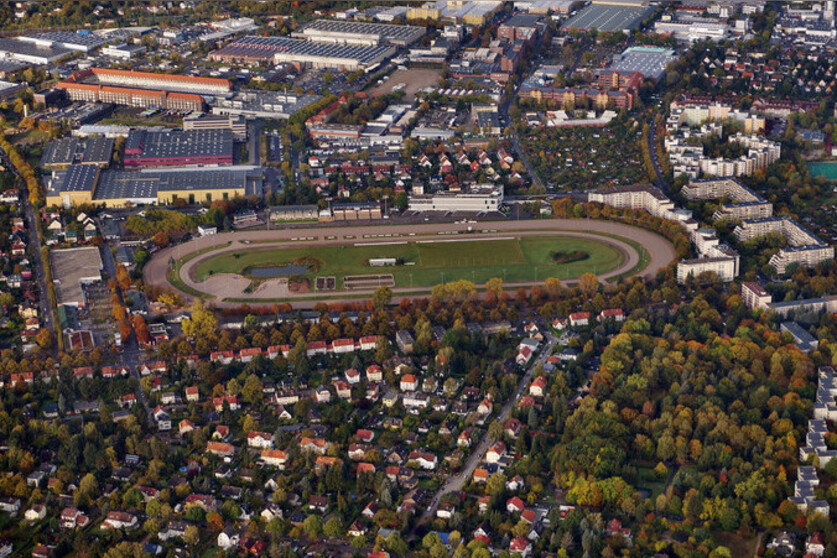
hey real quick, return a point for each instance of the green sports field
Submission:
(429, 263)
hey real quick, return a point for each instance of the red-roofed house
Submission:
(364, 435)
(342, 346)
(274, 457)
(409, 383)
(365, 468)
(520, 546)
(515, 505)
(495, 452)
(374, 373)
(615, 314)
(524, 354)
(579, 319)
(537, 387)
(352, 376)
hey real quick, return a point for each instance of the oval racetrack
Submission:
(658, 251)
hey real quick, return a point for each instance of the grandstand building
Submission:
(479, 199)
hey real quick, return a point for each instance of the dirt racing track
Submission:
(231, 289)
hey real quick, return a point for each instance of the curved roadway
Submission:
(659, 250)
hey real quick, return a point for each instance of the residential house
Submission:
(496, 452)
(120, 520)
(425, 460)
(578, 319)
(262, 440)
(274, 457)
(228, 538)
(538, 387)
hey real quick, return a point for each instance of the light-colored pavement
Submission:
(659, 251)
(456, 482)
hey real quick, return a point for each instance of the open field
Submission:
(413, 80)
(430, 262)
(526, 256)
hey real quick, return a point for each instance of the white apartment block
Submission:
(793, 231)
(690, 159)
(808, 256)
(754, 296)
(825, 409)
(693, 114)
(726, 267)
(804, 247)
(746, 204)
(648, 198)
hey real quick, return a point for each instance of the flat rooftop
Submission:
(60, 152)
(97, 150)
(31, 49)
(265, 48)
(608, 18)
(71, 268)
(146, 184)
(648, 61)
(80, 178)
(87, 41)
(143, 144)
(395, 34)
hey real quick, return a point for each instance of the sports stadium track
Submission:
(659, 250)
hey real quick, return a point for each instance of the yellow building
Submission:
(120, 188)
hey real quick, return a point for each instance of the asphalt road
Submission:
(48, 319)
(659, 250)
(456, 482)
(655, 161)
(130, 356)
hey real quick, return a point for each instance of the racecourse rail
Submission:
(658, 251)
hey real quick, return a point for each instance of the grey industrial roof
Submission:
(216, 179)
(65, 151)
(69, 37)
(11, 65)
(60, 152)
(396, 34)
(145, 184)
(79, 178)
(264, 48)
(650, 62)
(176, 143)
(522, 20)
(608, 18)
(31, 49)
(97, 150)
(132, 185)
